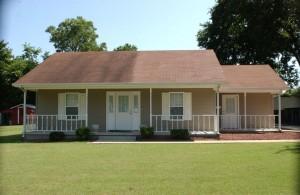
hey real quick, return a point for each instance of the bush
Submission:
(147, 132)
(83, 133)
(56, 136)
(179, 134)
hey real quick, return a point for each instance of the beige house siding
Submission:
(203, 103)
(256, 104)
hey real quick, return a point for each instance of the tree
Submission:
(255, 32)
(12, 68)
(126, 47)
(75, 34)
(6, 58)
(46, 55)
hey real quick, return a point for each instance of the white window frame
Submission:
(78, 100)
(182, 116)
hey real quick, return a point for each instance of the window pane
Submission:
(71, 110)
(176, 110)
(111, 104)
(123, 103)
(135, 103)
(176, 99)
(230, 106)
(72, 100)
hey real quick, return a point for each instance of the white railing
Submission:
(248, 122)
(197, 123)
(54, 122)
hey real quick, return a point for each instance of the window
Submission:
(135, 103)
(123, 103)
(111, 103)
(176, 105)
(72, 106)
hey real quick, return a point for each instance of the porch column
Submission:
(279, 112)
(245, 110)
(24, 112)
(217, 128)
(86, 106)
(150, 103)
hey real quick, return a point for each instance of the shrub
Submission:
(55, 136)
(83, 133)
(147, 132)
(179, 134)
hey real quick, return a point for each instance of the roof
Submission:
(251, 77)
(187, 66)
(17, 106)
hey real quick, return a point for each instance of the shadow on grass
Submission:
(16, 138)
(294, 148)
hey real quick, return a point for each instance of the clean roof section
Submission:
(251, 77)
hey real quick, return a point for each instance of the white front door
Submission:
(230, 118)
(123, 110)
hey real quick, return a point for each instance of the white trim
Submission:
(217, 125)
(253, 90)
(34, 86)
(279, 112)
(86, 107)
(245, 109)
(24, 112)
(150, 105)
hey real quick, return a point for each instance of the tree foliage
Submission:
(75, 34)
(255, 32)
(126, 47)
(11, 69)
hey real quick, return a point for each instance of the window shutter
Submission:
(61, 106)
(165, 102)
(187, 103)
(82, 106)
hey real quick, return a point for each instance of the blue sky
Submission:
(149, 24)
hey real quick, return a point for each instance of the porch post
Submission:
(86, 106)
(24, 112)
(279, 112)
(218, 112)
(150, 103)
(245, 110)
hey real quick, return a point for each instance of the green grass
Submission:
(83, 168)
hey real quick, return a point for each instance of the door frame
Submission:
(224, 96)
(111, 125)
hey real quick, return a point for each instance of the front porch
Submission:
(198, 125)
(203, 111)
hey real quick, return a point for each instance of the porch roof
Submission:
(255, 77)
(128, 67)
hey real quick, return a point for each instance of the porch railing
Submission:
(197, 123)
(54, 122)
(249, 122)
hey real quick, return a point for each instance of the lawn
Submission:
(84, 168)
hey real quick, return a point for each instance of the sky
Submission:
(149, 24)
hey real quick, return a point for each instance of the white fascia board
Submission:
(114, 85)
(252, 90)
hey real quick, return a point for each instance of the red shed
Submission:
(14, 115)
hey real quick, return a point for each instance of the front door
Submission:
(123, 110)
(230, 111)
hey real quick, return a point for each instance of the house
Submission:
(124, 90)
(14, 115)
